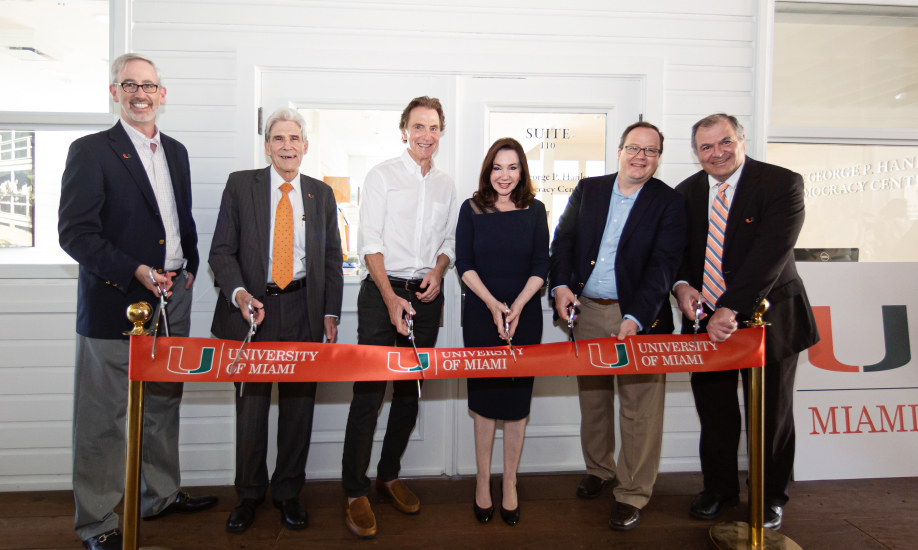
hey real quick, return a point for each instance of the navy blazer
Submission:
(109, 222)
(766, 216)
(649, 251)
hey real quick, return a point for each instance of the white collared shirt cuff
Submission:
(373, 249)
(557, 287)
(335, 316)
(233, 297)
(638, 323)
(679, 283)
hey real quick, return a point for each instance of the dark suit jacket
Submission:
(240, 249)
(110, 223)
(649, 250)
(765, 218)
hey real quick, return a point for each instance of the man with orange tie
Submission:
(277, 247)
(744, 218)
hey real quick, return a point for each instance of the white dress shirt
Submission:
(154, 163)
(407, 217)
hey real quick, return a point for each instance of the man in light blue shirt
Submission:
(615, 255)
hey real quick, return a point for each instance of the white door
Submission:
(443, 441)
(553, 433)
(346, 138)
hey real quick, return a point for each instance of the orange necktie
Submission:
(282, 254)
(713, 284)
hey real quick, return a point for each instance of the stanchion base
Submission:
(734, 535)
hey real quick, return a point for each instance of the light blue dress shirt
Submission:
(601, 283)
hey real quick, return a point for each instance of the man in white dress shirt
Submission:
(406, 242)
(276, 246)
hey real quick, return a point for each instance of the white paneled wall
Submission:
(707, 51)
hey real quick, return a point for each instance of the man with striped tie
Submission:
(744, 218)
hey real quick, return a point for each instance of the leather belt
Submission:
(274, 290)
(601, 301)
(411, 285)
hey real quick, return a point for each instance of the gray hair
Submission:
(123, 60)
(714, 120)
(285, 114)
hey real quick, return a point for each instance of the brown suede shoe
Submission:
(402, 498)
(359, 518)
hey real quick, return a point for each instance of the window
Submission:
(343, 146)
(845, 116)
(54, 58)
(561, 149)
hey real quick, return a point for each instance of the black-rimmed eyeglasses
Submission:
(634, 150)
(131, 87)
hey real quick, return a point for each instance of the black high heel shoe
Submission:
(511, 517)
(484, 515)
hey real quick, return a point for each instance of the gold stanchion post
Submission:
(132, 467)
(138, 314)
(739, 535)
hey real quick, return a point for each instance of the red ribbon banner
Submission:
(211, 360)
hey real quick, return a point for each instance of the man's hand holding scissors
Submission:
(242, 301)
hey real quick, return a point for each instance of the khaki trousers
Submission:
(641, 398)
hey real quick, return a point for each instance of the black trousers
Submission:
(375, 329)
(286, 320)
(718, 408)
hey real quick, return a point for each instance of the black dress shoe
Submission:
(512, 517)
(624, 517)
(185, 504)
(110, 540)
(483, 515)
(774, 516)
(710, 505)
(243, 515)
(293, 513)
(592, 486)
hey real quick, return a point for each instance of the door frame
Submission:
(253, 63)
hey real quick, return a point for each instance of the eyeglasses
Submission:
(131, 87)
(634, 150)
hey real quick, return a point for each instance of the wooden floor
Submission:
(837, 515)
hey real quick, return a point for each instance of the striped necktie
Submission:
(282, 254)
(713, 285)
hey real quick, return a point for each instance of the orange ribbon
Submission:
(207, 359)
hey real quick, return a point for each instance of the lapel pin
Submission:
(126, 155)
(309, 195)
(750, 220)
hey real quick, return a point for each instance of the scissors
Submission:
(248, 338)
(410, 322)
(699, 311)
(571, 315)
(160, 310)
(509, 338)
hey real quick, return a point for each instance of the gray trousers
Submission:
(641, 398)
(100, 394)
(286, 320)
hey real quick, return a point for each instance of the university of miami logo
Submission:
(204, 365)
(621, 357)
(895, 336)
(395, 364)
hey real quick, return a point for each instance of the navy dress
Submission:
(505, 249)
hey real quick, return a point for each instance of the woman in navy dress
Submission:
(502, 257)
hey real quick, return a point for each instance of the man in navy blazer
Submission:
(125, 216)
(615, 255)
